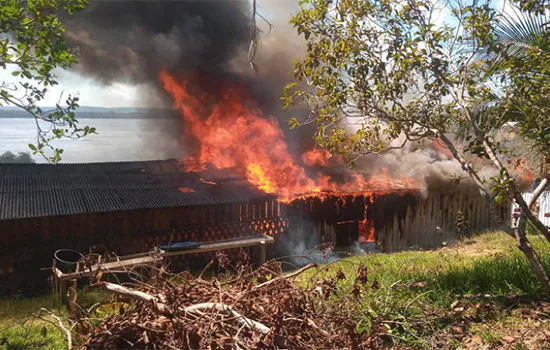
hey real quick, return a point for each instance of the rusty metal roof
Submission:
(36, 190)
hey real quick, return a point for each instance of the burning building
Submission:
(127, 207)
(389, 221)
(326, 202)
(188, 51)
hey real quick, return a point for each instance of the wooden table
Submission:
(229, 244)
(122, 264)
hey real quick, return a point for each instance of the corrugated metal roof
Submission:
(35, 190)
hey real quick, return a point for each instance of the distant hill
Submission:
(86, 112)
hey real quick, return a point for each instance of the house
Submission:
(127, 207)
(394, 220)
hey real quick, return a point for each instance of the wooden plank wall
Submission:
(427, 223)
(314, 216)
(26, 245)
(402, 220)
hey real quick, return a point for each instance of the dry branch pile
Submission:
(256, 309)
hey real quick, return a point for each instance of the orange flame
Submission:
(316, 156)
(256, 176)
(233, 135)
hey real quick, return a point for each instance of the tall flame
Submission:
(232, 134)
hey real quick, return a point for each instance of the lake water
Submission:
(117, 140)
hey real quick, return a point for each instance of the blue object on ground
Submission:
(176, 246)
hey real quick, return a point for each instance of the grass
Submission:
(20, 328)
(488, 264)
(471, 290)
(470, 296)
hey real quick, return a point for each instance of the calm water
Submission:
(117, 140)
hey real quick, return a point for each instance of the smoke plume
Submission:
(132, 41)
(208, 40)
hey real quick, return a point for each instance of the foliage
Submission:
(376, 72)
(533, 6)
(22, 157)
(32, 46)
(391, 68)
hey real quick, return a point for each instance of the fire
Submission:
(256, 175)
(232, 134)
(316, 157)
(524, 172)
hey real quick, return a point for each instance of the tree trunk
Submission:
(536, 265)
(519, 233)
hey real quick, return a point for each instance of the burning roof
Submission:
(232, 133)
(37, 190)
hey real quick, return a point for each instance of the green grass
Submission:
(20, 328)
(488, 264)
(417, 291)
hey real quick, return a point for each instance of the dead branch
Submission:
(187, 313)
(199, 308)
(136, 295)
(204, 307)
(290, 275)
(61, 327)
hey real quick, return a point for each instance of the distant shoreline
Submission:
(100, 113)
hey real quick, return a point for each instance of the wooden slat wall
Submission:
(430, 222)
(26, 245)
(401, 220)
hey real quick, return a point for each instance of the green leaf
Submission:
(499, 199)
(35, 49)
(293, 123)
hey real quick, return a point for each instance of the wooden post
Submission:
(57, 284)
(63, 289)
(263, 252)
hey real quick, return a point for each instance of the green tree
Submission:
(426, 70)
(21, 158)
(32, 46)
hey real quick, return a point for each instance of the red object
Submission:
(440, 147)
(186, 190)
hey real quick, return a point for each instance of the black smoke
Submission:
(131, 41)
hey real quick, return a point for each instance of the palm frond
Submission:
(520, 31)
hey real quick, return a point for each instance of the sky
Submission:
(94, 93)
(91, 92)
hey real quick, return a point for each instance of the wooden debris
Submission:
(183, 312)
